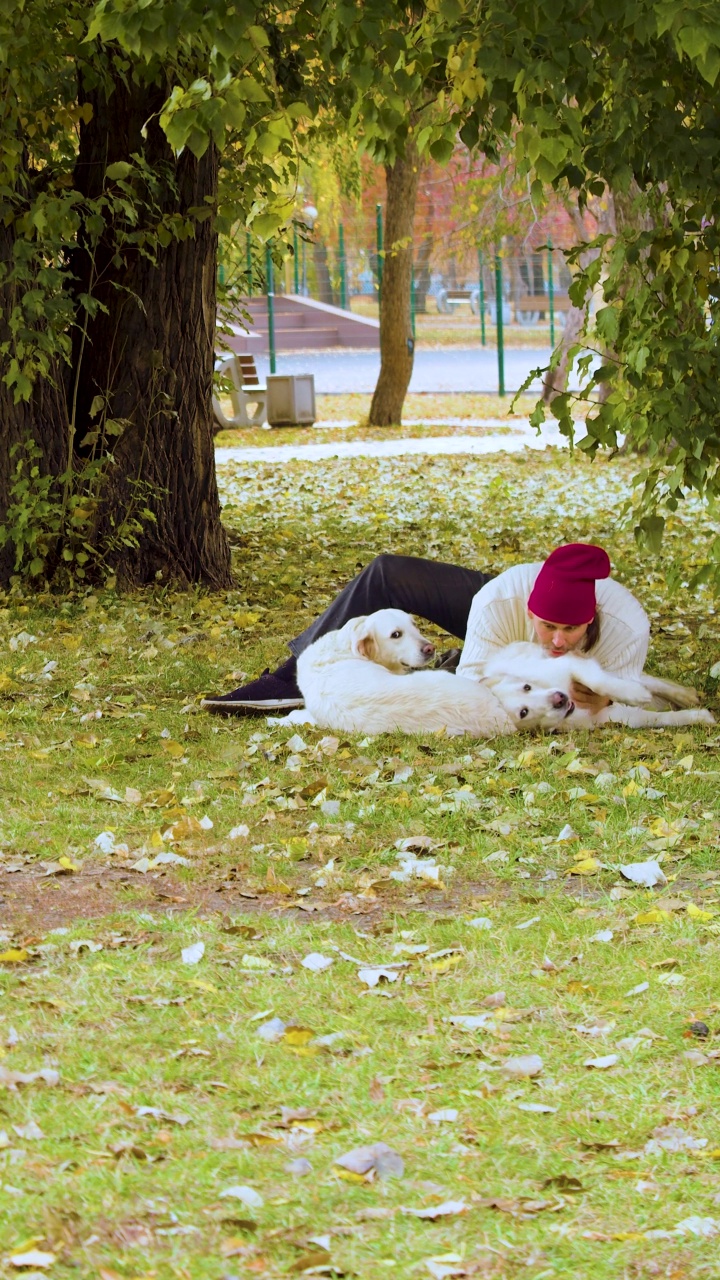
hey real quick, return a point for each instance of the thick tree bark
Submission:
(396, 341)
(149, 351)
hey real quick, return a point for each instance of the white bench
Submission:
(446, 299)
(248, 397)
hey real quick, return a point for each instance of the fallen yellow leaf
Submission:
(585, 867)
(444, 965)
(298, 1036)
(653, 916)
(697, 913)
(347, 1175)
(16, 955)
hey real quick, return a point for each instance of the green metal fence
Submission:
(459, 294)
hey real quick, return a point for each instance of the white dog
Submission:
(522, 672)
(368, 677)
(352, 680)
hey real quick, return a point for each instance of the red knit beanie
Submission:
(564, 589)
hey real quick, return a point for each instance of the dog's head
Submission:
(535, 693)
(390, 638)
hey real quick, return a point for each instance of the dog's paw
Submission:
(292, 717)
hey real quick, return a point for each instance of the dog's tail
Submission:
(669, 696)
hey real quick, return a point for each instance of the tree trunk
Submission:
(396, 340)
(556, 380)
(148, 351)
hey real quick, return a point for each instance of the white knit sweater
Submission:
(498, 617)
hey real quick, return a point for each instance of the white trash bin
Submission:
(290, 399)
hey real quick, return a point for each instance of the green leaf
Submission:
(442, 149)
(120, 169)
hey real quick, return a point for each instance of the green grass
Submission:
(449, 414)
(130, 1025)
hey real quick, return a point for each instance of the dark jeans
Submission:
(442, 593)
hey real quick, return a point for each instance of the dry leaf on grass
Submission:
(246, 1195)
(156, 1113)
(525, 1065)
(32, 1258)
(522, 1206)
(638, 990)
(194, 953)
(646, 874)
(316, 962)
(450, 1208)
(11, 1079)
(446, 1115)
(364, 1164)
(29, 1132)
(376, 974)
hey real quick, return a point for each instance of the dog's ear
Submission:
(363, 641)
(366, 646)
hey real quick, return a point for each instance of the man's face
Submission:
(556, 638)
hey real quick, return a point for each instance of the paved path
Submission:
(444, 369)
(521, 436)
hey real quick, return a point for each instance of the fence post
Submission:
(379, 248)
(341, 263)
(249, 263)
(270, 290)
(296, 262)
(551, 294)
(499, 324)
(481, 294)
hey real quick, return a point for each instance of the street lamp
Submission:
(310, 214)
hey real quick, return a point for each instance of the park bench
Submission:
(530, 306)
(247, 396)
(446, 299)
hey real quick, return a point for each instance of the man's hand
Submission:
(586, 700)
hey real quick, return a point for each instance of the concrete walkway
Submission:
(520, 435)
(435, 370)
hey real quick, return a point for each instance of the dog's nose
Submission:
(559, 699)
(428, 650)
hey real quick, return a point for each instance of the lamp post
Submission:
(499, 324)
(342, 267)
(270, 291)
(310, 214)
(551, 292)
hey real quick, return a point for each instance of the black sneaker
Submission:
(270, 692)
